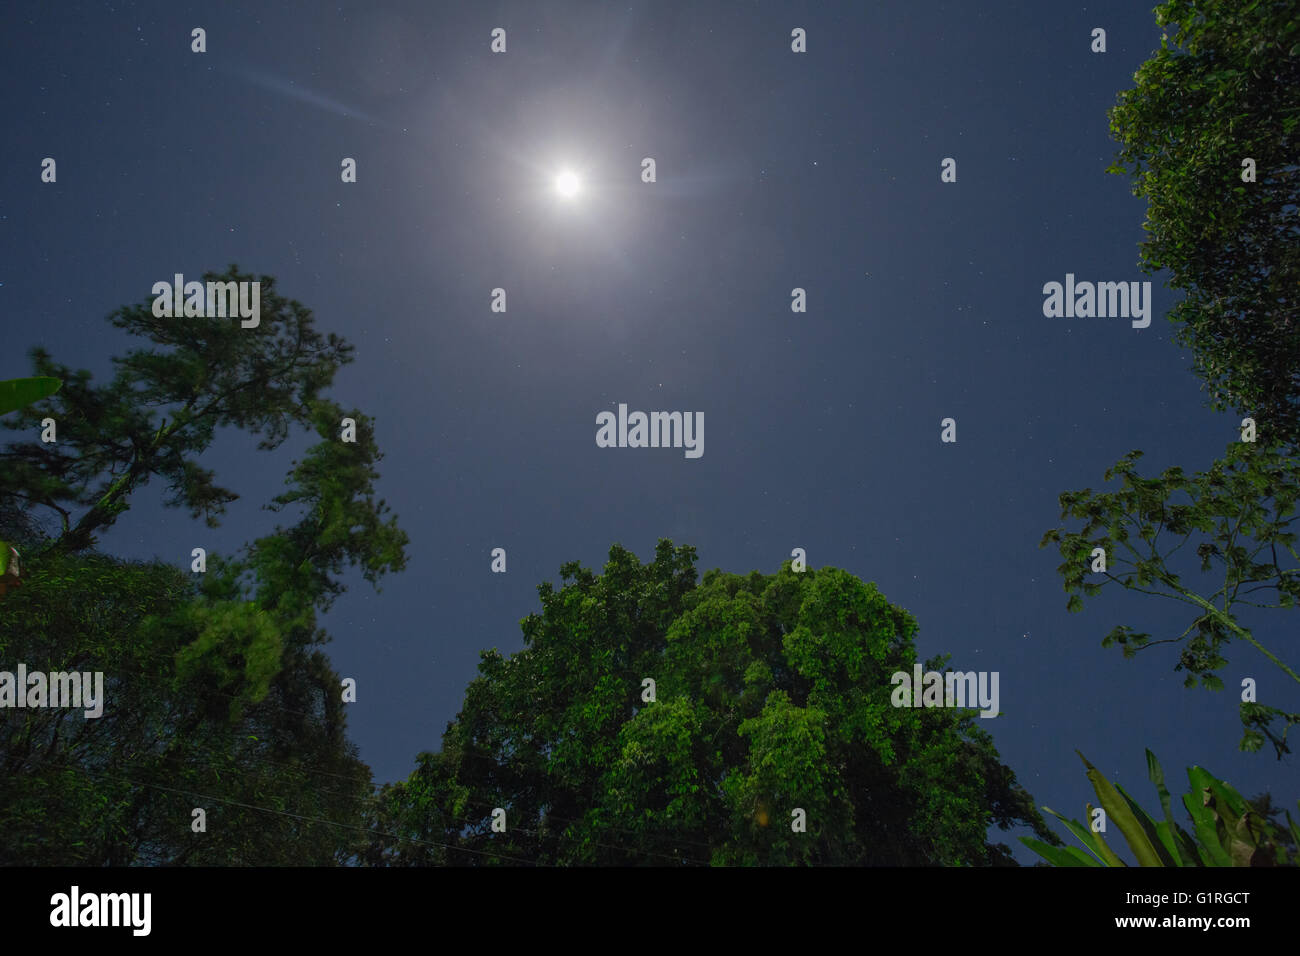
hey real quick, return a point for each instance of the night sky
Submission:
(775, 170)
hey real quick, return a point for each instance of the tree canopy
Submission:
(1222, 89)
(218, 695)
(772, 694)
(1208, 135)
(1235, 523)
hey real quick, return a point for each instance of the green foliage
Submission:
(19, 392)
(1228, 830)
(1221, 89)
(10, 567)
(1238, 518)
(1218, 91)
(162, 409)
(212, 731)
(15, 394)
(218, 695)
(237, 650)
(772, 693)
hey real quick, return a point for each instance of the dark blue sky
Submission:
(775, 170)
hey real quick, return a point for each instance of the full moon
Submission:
(567, 185)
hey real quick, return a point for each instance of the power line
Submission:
(373, 831)
(484, 807)
(298, 816)
(308, 770)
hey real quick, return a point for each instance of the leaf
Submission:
(1170, 830)
(1093, 841)
(19, 392)
(1059, 856)
(1159, 834)
(1207, 833)
(1118, 810)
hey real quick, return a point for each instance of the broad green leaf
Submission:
(1117, 810)
(1092, 841)
(1156, 774)
(1059, 856)
(1167, 851)
(1207, 833)
(17, 393)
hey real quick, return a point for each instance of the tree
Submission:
(219, 697)
(771, 694)
(14, 394)
(1220, 90)
(1241, 516)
